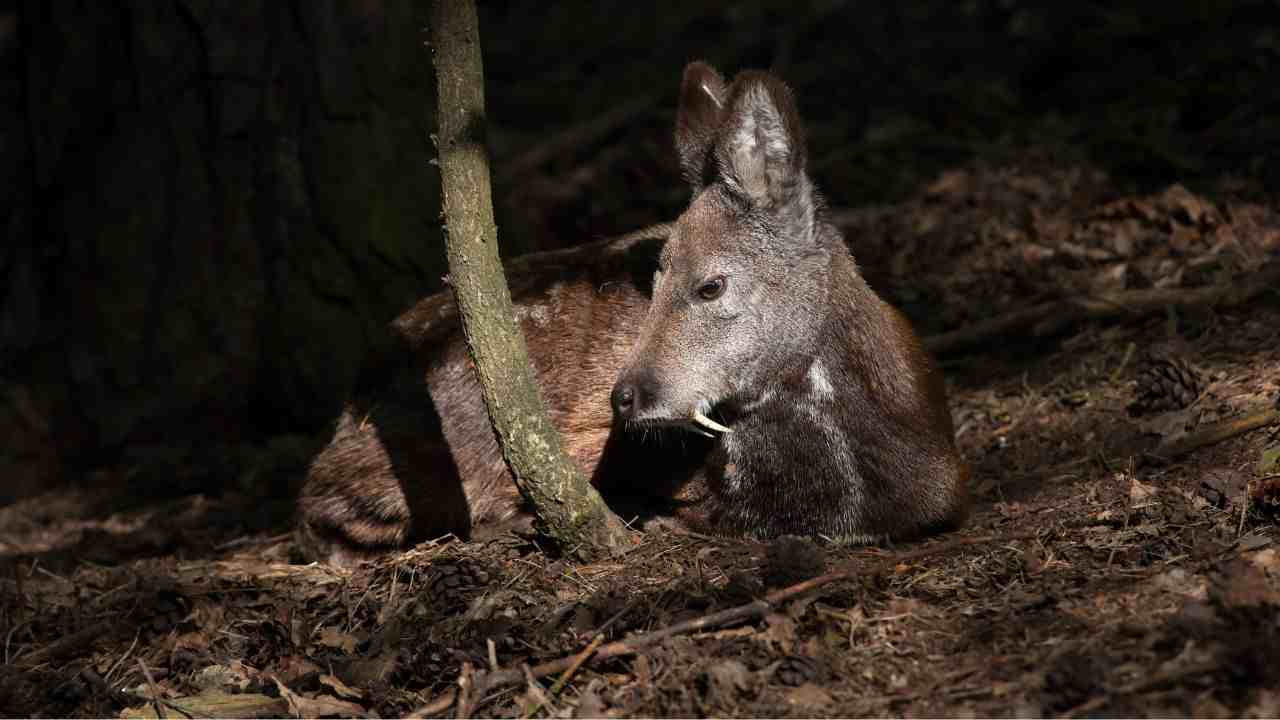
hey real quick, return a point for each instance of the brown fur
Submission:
(413, 455)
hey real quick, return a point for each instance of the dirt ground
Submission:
(1094, 576)
(1122, 557)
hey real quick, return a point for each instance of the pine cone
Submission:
(453, 581)
(1166, 382)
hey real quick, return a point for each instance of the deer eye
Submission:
(713, 288)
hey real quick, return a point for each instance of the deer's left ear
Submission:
(702, 98)
(762, 149)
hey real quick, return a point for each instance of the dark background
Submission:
(212, 208)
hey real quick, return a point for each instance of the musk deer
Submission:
(736, 377)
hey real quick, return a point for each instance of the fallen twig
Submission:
(577, 136)
(536, 694)
(79, 641)
(468, 691)
(578, 661)
(119, 661)
(120, 697)
(897, 558)
(1049, 317)
(438, 704)
(1179, 445)
(157, 699)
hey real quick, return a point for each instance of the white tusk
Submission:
(699, 431)
(708, 423)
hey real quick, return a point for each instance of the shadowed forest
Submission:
(215, 209)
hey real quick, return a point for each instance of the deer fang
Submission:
(708, 423)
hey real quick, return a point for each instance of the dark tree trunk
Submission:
(210, 211)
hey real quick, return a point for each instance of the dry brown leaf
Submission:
(1179, 201)
(335, 638)
(292, 667)
(366, 670)
(319, 706)
(1115, 277)
(1140, 493)
(340, 688)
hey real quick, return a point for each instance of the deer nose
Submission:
(633, 391)
(624, 397)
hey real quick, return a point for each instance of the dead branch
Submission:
(572, 138)
(578, 662)
(985, 330)
(439, 704)
(119, 697)
(157, 696)
(1179, 445)
(77, 642)
(1046, 318)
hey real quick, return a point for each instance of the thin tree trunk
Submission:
(569, 509)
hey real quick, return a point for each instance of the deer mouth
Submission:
(707, 424)
(697, 422)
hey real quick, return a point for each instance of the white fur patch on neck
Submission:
(821, 381)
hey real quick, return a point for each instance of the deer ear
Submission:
(702, 101)
(761, 150)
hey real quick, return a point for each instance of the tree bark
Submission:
(568, 508)
(211, 211)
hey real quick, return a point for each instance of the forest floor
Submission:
(1095, 576)
(1114, 372)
